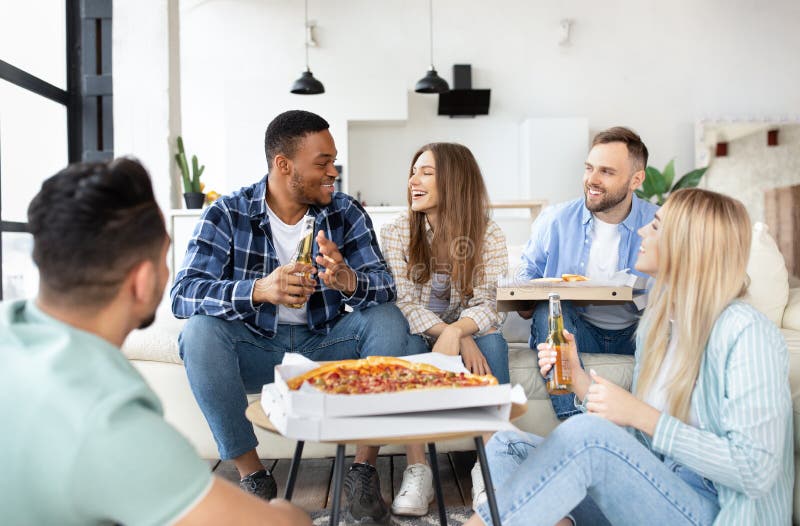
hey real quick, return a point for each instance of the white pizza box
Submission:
(310, 402)
(474, 419)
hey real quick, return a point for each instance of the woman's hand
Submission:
(449, 341)
(612, 402)
(547, 356)
(473, 358)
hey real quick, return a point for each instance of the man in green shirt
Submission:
(83, 436)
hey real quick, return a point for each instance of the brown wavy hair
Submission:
(463, 213)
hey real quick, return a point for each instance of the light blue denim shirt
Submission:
(562, 238)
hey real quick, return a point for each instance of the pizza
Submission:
(562, 279)
(383, 374)
(574, 277)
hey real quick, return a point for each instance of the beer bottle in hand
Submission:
(558, 378)
(303, 252)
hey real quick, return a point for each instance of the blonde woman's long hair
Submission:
(703, 253)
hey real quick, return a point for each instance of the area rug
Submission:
(456, 516)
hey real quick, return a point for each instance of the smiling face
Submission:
(422, 184)
(312, 172)
(609, 181)
(647, 261)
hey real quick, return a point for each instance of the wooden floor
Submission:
(313, 489)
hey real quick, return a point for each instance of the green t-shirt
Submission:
(82, 435)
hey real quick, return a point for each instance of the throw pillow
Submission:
(769, 279)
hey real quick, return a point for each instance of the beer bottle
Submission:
(303, 252)
(558, 378)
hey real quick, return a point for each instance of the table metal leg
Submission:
(487, 481)
(437, 484)
(338, 479)
(298, 452)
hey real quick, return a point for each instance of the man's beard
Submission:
(298, 186)
(148, 321)
(607, 202)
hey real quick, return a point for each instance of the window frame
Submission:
(88, 97)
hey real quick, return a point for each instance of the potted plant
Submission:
(193, 194)
(659, 184)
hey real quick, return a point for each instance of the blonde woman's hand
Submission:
(473, 358)
(612, 402)
(547, 356)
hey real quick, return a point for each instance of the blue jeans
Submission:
(596, 471)
(493, 347)
(224, 360)
(588, 338)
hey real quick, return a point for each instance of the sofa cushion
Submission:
(793, 345)
(515, 329)
(769, 279)
(157, 343)
(791, 316)
(524, 370)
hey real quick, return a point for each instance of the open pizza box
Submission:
(310, 402)
(473, 419)
(518, 294)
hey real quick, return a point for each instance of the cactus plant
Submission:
(191, 181)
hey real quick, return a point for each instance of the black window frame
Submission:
(88, 97)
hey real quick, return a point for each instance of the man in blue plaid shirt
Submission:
(238, 280)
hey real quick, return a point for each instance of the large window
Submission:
(55, 108)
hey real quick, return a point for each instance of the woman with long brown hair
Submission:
(446, 256)
(710, 414)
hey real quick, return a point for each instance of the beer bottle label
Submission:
(303, 252)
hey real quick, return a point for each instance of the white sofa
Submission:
(154, 352)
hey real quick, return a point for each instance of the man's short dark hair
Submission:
(637, 151)
(286, 131)
(91, 224)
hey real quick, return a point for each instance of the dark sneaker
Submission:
(362, 493)
(261, 484)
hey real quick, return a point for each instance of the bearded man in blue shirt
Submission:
(594, 236)
(240, 289)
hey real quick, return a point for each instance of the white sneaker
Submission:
(478, 488)
(416, 491)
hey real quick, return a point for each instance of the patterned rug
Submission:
(456, 516)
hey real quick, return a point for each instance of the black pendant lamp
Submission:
(431, 82)
(307, 84)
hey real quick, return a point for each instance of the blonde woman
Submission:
(711, 407)
(446, 256)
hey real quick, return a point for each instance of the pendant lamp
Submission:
(307, 84)
(431, 82)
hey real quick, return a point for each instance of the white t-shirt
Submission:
(602, 265)
(285, 238)
(658, 396)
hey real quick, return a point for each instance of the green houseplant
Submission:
(659, 184)
(193, 194)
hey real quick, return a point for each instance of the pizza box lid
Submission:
(362, 428)
(310, 402)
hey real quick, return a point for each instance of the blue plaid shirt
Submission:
(232, 247)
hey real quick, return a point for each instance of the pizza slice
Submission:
(574, 277)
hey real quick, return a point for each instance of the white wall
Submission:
(147, 88)
(657, 67)
(751, 167)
